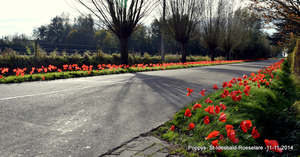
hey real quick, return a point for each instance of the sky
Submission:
(22, 16)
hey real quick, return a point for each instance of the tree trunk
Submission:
(124, 50)
(162, 33)
(162, 48)
(227, 55)
(183, 58)
(212, 54)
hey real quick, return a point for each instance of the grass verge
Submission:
(112, 69)
(274, 110)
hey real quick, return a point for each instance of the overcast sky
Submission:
(22, 16)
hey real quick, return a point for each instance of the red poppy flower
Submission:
(216, 145)
(221, 137)
(255, 133)
(222, 118)
(39, 70)
(223, 95)
(233, 81)
(43, 77)
(206, 120)
(277, 77)
(267, 83)
(196, 106)
(172, 128)
(245, 76)
(252, 74)
(245, 82)
(231, 136)
(222, 106)
(273, 145)
(228, 127)
(202, 92)
(210, 109)
(208, 100)
(224, 84)
(248, 124)
(1, 76)
(212, 134)
(247, 90)
(233, 93)
(240, 83)
(217, 109)
(245, 125)
(239, 79)
(229, 85)
(189, 91)
(239, 97)
(236, 98)
(258, 85)
(187, 113)
(215, 87)
(191, 126)
(226, 93)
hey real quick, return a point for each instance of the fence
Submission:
(32, 46)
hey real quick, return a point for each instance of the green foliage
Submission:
(294, 59)
(290, 57)
(28, 50)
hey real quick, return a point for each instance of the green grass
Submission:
(273, 110)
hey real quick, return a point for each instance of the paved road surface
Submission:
(88, 116)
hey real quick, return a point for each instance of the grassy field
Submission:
(273, 109)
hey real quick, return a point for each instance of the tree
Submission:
(284, 14)
(230, 28)
(162, 49)
(212, 24)
(182, 19)
(119, 16)
(243, 25)
(40, 33)
(55, 29)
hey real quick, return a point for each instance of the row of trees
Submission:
(182, 20)
(283, 15)
(192, 26)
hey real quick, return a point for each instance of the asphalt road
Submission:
(87, 116)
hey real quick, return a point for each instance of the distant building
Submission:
(283, 54)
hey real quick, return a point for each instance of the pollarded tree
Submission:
(119, 16)
(211, 26)
(182, 19)
(230, 28)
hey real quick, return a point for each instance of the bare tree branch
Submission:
(182, 18)
(118, 16)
